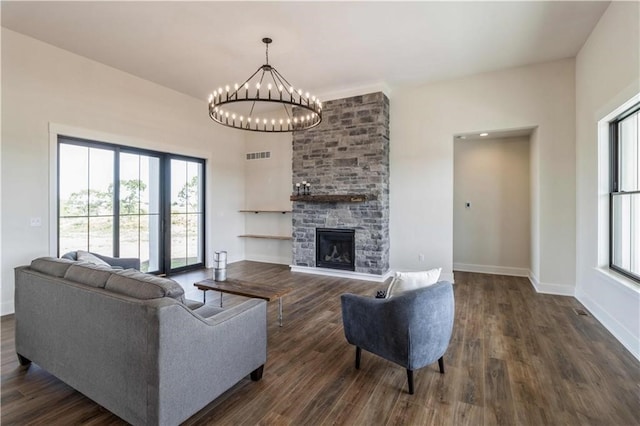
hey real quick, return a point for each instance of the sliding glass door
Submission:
(139, 218)
(86, 194)
(187, 213)
(126, 202)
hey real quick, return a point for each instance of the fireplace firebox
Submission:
(335, 248)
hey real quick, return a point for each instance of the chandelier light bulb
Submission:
(273, 121)
(264, 121)
(290, 89)
(249, 119)
(246, 86)
(226, 88)
(235, 86)
(233, 116)
(258, 85)
(288, 121)
(306, 95)
(220, 90)
(281, 121)
(241, 118)
(280, 88)
(300, 92)
(226, 114)
(269, 86)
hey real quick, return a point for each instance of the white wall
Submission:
(268, 187)
(42, 84)
(493, 234)
(423, 122)
(607, 75)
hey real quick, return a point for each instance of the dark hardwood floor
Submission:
(516, 357)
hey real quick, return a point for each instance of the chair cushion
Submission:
(85, 256)
(405, 281)
(51, 266)
(89, 274)
(143, 286)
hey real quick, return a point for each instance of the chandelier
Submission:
(265, 102)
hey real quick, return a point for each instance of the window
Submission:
(127, 202)
(624, 232)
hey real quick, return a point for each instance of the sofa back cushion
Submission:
(51, 266)
(136, 284)
(89, 274)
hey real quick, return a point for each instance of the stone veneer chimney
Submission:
(348, 153)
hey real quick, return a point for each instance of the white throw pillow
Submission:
(85, 256)
(405, 281)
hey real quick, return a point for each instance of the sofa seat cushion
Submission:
(51, 266)
(192, 304)
(207, 311)
(89, 274)
(136, 284)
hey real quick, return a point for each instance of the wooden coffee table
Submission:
(246, 289)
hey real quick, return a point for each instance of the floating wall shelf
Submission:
(265, 211)
(268, 237)
(327, 198)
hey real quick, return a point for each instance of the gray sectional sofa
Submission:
(131, 341)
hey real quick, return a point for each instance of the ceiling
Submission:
(322, 47)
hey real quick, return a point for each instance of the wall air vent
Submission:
(259, 155)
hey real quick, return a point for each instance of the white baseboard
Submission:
(491, 269)
(341, 274)
(7, 308)
(546, 288)
(618, 330)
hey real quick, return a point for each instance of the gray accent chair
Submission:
(412, 329)
(121, 262)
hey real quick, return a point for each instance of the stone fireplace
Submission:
(346, 161)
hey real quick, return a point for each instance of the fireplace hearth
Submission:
(335, 248)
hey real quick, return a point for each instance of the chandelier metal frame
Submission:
(275, 89)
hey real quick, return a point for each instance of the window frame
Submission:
(165, 197)
(614, 185)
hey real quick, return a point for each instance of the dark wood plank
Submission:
(516, 357)
(243, 288)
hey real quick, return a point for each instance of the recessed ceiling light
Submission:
(484, 134)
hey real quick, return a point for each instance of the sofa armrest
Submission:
(123, 262)
(200, 358)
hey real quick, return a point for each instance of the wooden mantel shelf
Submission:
(328, 198)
